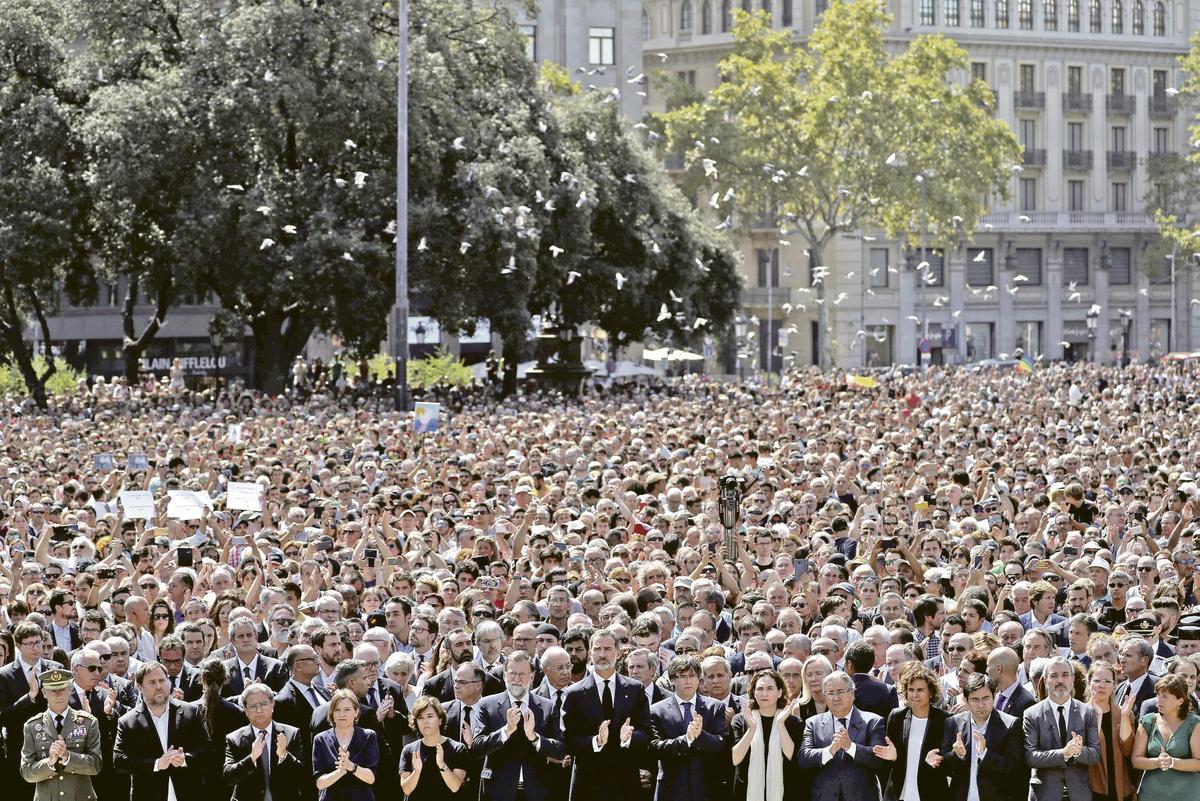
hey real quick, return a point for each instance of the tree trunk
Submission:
(824, 358)
(134, 346)
(278, 339)
(22, 355)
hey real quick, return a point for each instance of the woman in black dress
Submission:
(912, 750)
(765, 738)
(432, 767)
(221, 717)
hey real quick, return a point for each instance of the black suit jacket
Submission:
(293, 708)
(1002, 773)
(1020, 700)
(16, 707)
(248, 778)
(611, 772)
(441, 685)
(686, 771)
(507, 760)
(270, 672)
(1145, 691)
(189, 681)
(138, 748)
(931, 782)
(872, 695)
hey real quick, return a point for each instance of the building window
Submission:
(1075, 81)
(979, 71)
(1029, 337)
(686, 76)
(928, 15)
(1050, 14)
(1025, 14)
(1162, 140)
(645, 26)
(879, 268)
(706, 17)
(1118, 138)
(979, 341)
(1075, 195)
(1075, 136)
(602, 45)
(1001, 13)
(746, 6)
(768, 267)
(766, 6)
(726, 16)
(685, 16)
(530, 34)
(978, 13)
(820, 5)
(1118, 16)
(980, 267)
(1116, 80)
(1118, 196)
(1027, 77)
(951, 11)
(1029, 264)
(1139, 17)
(1159, 84)
(1121, 271)
(937, 267)
(1075, 266)
(878, 344)
(785, 13)
(1095, 16)
(1073, 16)
(1160, 18)
(1028, 194)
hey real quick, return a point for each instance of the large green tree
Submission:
(830, 136)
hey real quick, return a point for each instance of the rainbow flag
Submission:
(1024, 365)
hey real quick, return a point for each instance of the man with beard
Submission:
(517, 733)
(441, 685)
(161, 742)
(1061, 739)
(575, 643)
(607, 722)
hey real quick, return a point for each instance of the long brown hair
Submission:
(212, 676)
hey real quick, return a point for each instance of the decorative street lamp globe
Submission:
(730, 493)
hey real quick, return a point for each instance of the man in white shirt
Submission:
(982, 747)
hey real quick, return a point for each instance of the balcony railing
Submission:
(1077, 102)
(1029, 100)
(1061, 220)
(1078, 159)
(1162, 106)
(1121, 104)
(1122, 160)
(1033, 157)
(758, 295)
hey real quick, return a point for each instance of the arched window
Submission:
(706, 17)
(1118, 17)
(726, 16)
(1095, 16)
(1073, 16)
(685, 16)
(978, 13)
(1050, 14)
(1139, 17)
(1025, 14)
(1160, 18)
(645, 25)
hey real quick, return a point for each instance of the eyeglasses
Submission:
(284, 621)
(839, 693)
(1117, 585)
(160, 616)
(260, 705)
(92, 668)
(105, 657)
(1145, 569)
(148, 586)
(956, 649)
(464, 682)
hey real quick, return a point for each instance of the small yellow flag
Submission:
(861, 381)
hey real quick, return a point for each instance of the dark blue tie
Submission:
(687, 713)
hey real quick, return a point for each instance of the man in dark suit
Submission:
(1135, 655)
(247, 664)
(265, 753)
(838, 743)
(1062, 739)
(516, 733)
(441, 685)
(607, 720)
(556, 668)
(299, 698)
(870, 694)
(20, 699)
(688, 736)
(103, 701)
(982, 748)
(185, 679)
(1011, 697)
(161, 742)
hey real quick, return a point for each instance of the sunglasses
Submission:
(160, 616)
(92, 668)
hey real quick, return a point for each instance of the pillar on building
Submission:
(1053, 335)
(1006, 330)
(906, 329)
(1139, 348)
(1101, 353)
(957, 265)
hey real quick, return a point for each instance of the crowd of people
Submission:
(974, 586)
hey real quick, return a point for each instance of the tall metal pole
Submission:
(770, 320)
(1171, 340)
(400, 308)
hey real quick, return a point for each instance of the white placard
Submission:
(244, 496)
(234, 432)
(137, 505)
(185, 505)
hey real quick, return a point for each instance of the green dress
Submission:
(1169, 785)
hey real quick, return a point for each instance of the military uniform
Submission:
(69, 780)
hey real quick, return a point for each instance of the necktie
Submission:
(312, 697)
(266, 764)
(467, 716)
(58, 723)
(558, 706)
(1000, 699)
(245, 672)
(372, 698)
(1062, 728)
(687, 713)
(845, 724)
(607, 700)
(175, 680)
(519, 704)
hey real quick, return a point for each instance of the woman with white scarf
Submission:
(764, 741)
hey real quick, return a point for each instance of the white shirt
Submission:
(252, 665)
(916, 736)
(160, 726)
(687, 719)
(1066, 715)
(62, 636)
(826, 752)
(145, 647)
(973, 787)
(614, 728)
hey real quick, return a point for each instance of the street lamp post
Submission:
(1093, 319)
(1127, 320)
(730, 491)
(216, 338)
(739, 330)
(400, 307)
